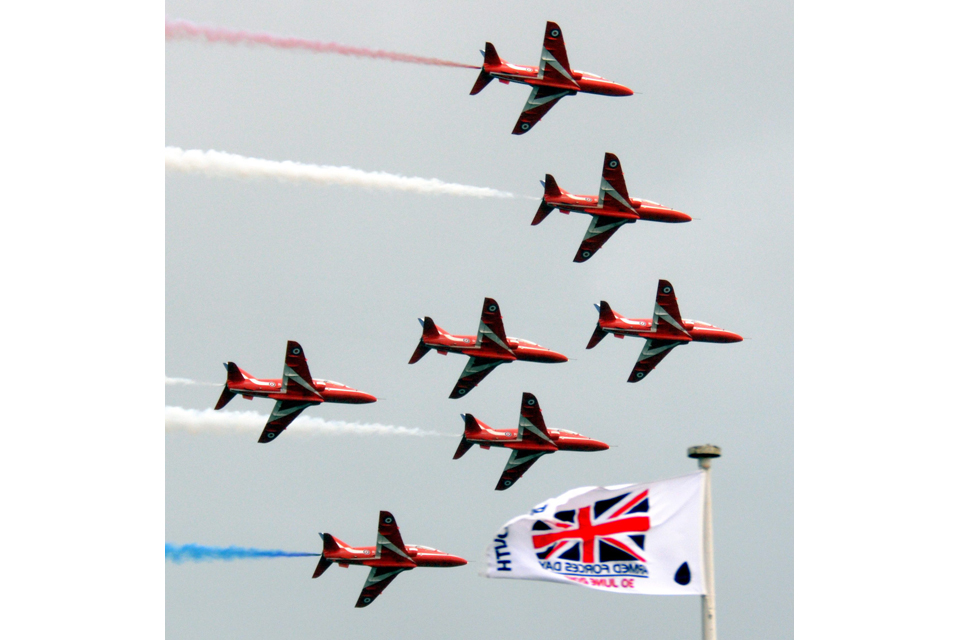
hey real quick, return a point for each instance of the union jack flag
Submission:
(606, 531)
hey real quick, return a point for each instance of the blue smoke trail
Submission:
(200, 553)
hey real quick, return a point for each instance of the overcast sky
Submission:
(346, 272)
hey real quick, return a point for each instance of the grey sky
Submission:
(346, 272)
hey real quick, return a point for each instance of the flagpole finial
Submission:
(703, 454)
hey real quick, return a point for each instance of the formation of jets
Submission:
(612, 208)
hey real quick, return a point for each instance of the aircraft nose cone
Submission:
(556, 356)
(456, 561)
(624, 91)
(600, 446)
(729, 336)
(682, 217)
(363, 398)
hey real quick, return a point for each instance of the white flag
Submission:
(631, 538)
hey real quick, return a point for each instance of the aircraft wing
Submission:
(476, 370)
(540, 101)
(517, 465)
(599, 231)
(377, 581)
(666, 312)
(532, 429)
(653, 352)
(613, 188)
(554, 66)
(491, 335)
(296, 372)
(389, 543)
(284, 412)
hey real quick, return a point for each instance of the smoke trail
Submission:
(219, 163)
(180, 419)
(183, 29)
(200, 553)
(187, 381)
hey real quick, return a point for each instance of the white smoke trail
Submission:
(219, 163)
(195, 420)
(187, 381)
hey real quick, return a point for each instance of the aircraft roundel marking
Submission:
(492, 307)
(270, 435)
(525, 126)
(531, 402)
(639, 374)
(296, 352)
(507, 483)
(388, 520)
(613, 164)
(667, 289)
(461, 391)
(367, 600)
(586, 254)
(555, 33)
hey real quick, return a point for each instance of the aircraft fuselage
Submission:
(329, 391)
(587, 82)
(642, 328)
(523, 350)
(645, 209)
(367, 556)
(563, 440)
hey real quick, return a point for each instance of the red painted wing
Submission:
(490, 334)
(613, 188)
(666, 313)
(554, 66)
(296, 373)
(532, 429)
(389, 543)
(600, 230)
(540, 101)
(284, 412)
(653, 352)
(377, 581)
(476, 370)
(517, 465)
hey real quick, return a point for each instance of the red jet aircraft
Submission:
(489, 349)
(296, 391)
(529, 441)
(612, 209)
(664, 332)
(386, 560)
(552, 80)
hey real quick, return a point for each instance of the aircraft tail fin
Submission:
(430, 330)
(490, 57)
(235, 375)
(330, 545)
(470, 427)
(606, 315)
(551, 188)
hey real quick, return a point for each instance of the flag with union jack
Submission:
(632, 538)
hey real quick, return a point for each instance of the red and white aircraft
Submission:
(294, 392)
(387, 560)
(663, 332)
(529, 441)
(552, 80)
(487, 350)
(609, 211)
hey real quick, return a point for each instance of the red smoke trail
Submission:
(183, 29)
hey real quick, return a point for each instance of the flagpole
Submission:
(704, 454)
